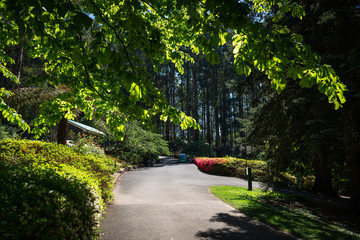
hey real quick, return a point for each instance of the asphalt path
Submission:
(172, 201)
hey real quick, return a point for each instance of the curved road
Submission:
(171, 201)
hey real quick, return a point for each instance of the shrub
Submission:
(140, 145)
(26, 152)
(43, 203)
(176, 145)
(237, 167)
(7, 131)
(50, 191)
(199, 149)
(206, 164)
(87, 145)
(232, 167)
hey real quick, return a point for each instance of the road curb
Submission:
(118, 174)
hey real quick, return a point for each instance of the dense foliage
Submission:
(176, 145)
(51, 191)
(139, 145)
(84, 42)
(198, 149)
(88, 145)
(297, 130)
(7, 131)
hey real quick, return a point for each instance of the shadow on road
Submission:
(241, 227)
(162, 162)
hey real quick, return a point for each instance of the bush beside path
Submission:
(51, 191)
(232, 167)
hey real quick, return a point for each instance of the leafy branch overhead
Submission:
(96, 48)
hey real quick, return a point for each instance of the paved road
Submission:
(172, 201)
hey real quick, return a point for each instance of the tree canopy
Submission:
(99, 49)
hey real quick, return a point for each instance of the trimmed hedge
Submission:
(234, 167)
(206, 164)
(51, 191)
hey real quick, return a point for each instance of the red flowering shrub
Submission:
(206, 163)
(233, 167)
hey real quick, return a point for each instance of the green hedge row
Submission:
(50, 191)
(236, 167)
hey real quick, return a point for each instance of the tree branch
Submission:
(91, 86)
(146, 2)
(116, 34)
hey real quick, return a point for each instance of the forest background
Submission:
(297, 130)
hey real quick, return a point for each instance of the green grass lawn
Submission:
(283, 211)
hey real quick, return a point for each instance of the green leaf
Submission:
(305, 82)
(83, 19)
(273, 84)
(291, 73)
(45, 40)
(210, 4)
(78, 56)
(59, 33)
(247, 70)
(223, 38)
(135, 93)
(213, 57)
(203, 42)
(163, 118)
(7, 74)
(240, 69)
(322, 87)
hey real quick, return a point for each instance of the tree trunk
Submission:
(182, 132)
(241, 115)
(20, 62)
(172, 98)
(159, 124)
(168, 92)
(231, 136)
(195, 102)
(187, 69)
(217, 133)
(224, 130)
(352, 155)
(167, 130)
(323, 177)
(203, 119)
(174, 132)
(216, 106)
(208, 127)
(62, 131)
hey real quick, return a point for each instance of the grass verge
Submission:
(283, 211)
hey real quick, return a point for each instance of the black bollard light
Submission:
(248, 171)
